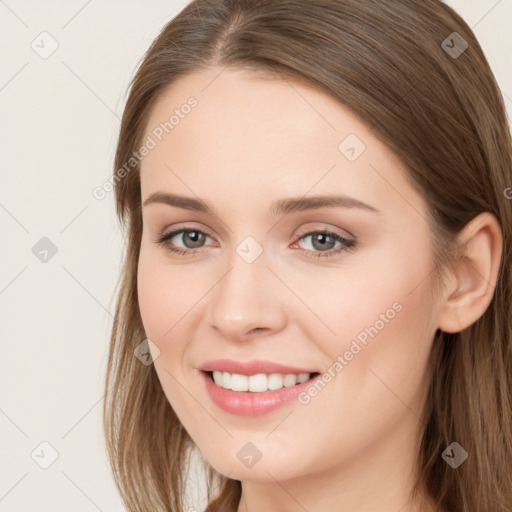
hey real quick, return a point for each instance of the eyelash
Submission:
(346, 245)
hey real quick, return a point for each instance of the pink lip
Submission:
(251, 367)
(248, 403)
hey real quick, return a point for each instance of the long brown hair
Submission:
(443, 114)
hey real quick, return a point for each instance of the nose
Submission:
(248, 300)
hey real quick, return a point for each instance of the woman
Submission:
(317, 286)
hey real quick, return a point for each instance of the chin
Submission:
(261, 471)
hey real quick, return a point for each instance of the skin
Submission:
(248, 142)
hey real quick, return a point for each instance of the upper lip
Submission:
(251, 367)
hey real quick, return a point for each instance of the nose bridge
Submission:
(245, 298)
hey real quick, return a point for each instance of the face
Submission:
(339, 290)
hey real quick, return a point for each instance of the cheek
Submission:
(374, 311)
(153, 298)
(372, 295)
(165, 298)
(164, 293)
(384, 331)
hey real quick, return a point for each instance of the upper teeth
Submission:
(258, 383)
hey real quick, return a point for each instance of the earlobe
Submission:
(473, 280)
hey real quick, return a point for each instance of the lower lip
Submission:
(248, 403)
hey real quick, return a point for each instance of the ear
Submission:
(470, 286)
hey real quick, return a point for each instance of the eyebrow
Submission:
(279, 207)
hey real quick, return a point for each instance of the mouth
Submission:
(256, 394)
(258, 383)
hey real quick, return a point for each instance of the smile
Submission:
(263, 400)
(258, 383)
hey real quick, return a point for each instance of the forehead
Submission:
(249, 134)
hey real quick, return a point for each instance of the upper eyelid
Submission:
(178, 231)
(326, 229)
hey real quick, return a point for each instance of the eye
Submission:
(323, 243)
(192, 239)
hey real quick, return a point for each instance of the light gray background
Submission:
(59, 125)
